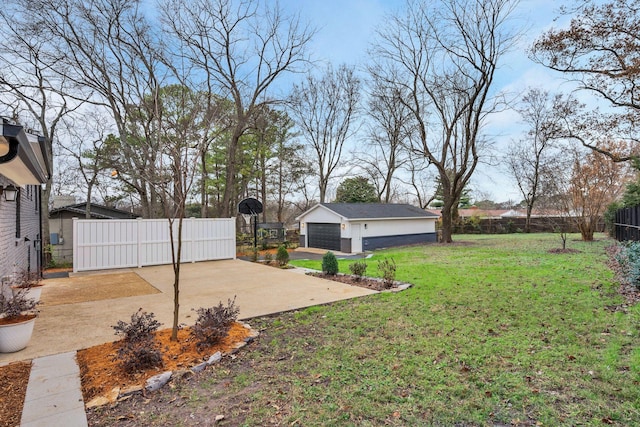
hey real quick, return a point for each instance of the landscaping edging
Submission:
(156, 382)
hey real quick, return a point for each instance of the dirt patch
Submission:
(563, 251)
(100, 372)
(13, 388)
(95, 287)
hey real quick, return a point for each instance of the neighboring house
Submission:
(61, 225)
(359, 227)
(23, 168)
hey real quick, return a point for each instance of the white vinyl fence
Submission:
(119, 243)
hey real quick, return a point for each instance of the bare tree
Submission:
(108, 47)
(31, 91)
(180, 132)
(420, 179)
(443, 56)
(600, 51)
(85, 137)
(324, 110)
(242, 47)
(527, 159)
(387, 133)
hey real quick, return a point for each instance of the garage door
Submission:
(324, 236)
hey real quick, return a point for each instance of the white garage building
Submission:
(359, 227)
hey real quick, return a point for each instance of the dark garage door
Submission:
(324, 236)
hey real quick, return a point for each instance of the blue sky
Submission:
(346, 28)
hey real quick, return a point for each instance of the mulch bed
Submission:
(363, 282)
(13, 388)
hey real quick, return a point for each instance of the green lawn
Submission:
(496, 331)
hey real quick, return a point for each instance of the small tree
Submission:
(282, 256)
(329, 264)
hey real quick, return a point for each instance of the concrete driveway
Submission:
(259, 290)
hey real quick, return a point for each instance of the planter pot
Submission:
(16, 336)
(32, 293)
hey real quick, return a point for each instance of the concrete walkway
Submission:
(53, 393)
(54, 397)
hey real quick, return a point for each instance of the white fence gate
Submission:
(119, 243)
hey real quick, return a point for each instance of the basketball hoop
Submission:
(248, 208)
(247, 218)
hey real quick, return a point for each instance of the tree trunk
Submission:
(231, 169)
(204, 202)
(447, 224)
(527, 223)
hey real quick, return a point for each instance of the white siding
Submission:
(395, 227)
(105, 244)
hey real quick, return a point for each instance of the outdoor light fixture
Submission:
(4, 146)
(10, 193)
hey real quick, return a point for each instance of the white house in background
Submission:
(360, 227)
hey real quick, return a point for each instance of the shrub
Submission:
(358, 269)
(16, 305)
(213, 323)
(282, 256)
(139, 349)
(329, 264)
(387, 267)
(268, 257)
(629, 260)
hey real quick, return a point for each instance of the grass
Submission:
(496, 331)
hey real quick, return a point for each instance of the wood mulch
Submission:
(100, 372)
(13, 388)
(363, 282)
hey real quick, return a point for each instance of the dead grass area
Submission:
(13, 388)
(100, 372)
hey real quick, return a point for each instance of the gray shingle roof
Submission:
(377, 210)
(97, 211)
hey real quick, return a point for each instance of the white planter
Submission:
(31, 293)
(16, 336)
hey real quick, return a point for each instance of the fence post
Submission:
(138, 225)
(192, 227)
(75, 244)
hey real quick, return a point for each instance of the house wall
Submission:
(375, 234)
(392, 227)
(20, 253)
